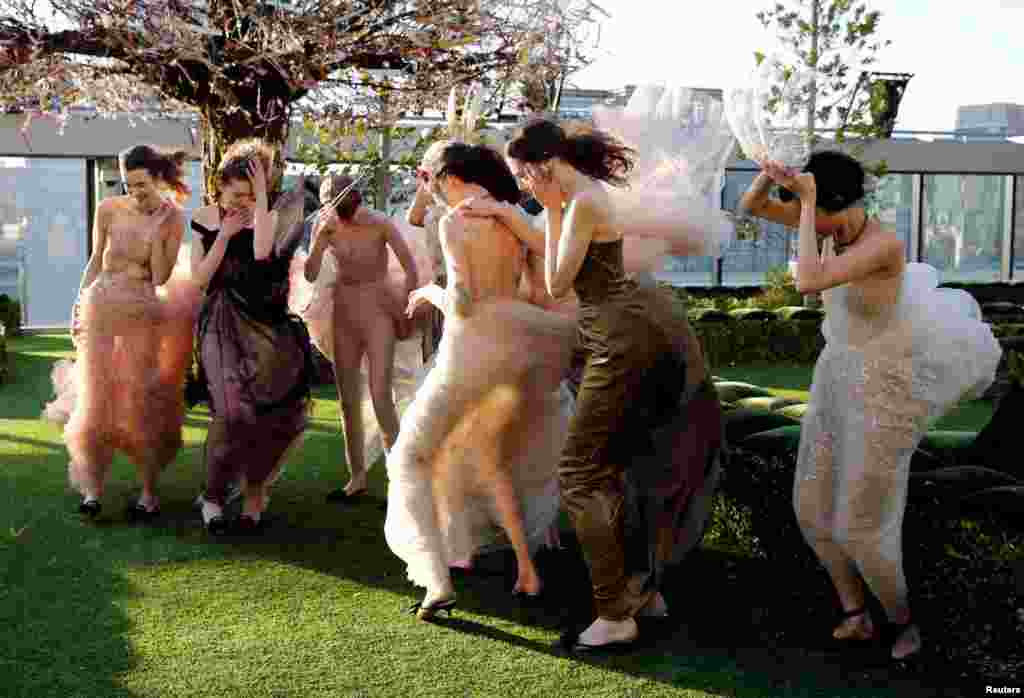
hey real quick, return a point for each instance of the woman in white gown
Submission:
(479, 444)
(899, 353)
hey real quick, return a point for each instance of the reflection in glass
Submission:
(747, 261)
(963, 226)
(43, 232)
(896, 198)
(1017, 270)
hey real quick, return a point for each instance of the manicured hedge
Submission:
(10, 314)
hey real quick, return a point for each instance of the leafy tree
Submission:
(831, 41)
(252, 68)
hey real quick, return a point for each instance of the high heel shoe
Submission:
(892, 632)
(90, 507)
(139, 513)
(428, 611)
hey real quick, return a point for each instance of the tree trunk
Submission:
(221, 128)
(813, 300)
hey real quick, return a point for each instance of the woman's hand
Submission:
(484, 208)
(545, 189)
(800, 183)
(159, 216)
(418, 299)
(235, 221)
(258, 177)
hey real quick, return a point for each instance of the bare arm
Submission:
(99, 245)
(404, 254)
(816, 273)
(417, 213)
(205, 264)
(459, 292)
(321, 241)
(165, 248)
(758, 202)
(566, 243)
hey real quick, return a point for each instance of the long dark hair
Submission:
(478, 164)
(838, 178)
(164, 164)
(592, 152)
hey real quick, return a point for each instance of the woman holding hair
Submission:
(899, 353)
(367, 315)
(479, 443)
(132, 327)
(647, 420)
(255, 360)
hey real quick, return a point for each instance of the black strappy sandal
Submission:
(90, 507)
(430, 610)
(139, 513)
(891, 632)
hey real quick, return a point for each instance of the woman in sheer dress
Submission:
(899, 353)
(480, 441)
(254, 356)
(132, 328)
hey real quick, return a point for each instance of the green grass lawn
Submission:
(313, 607)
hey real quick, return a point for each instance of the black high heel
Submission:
(431, 609)
(340, 495)
(891, 632)
(139, 513)
(90, 507)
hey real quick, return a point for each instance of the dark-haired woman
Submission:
(479, 444)
(366, 315)
(899, 353)
(255, 357)
(133, 333)
(647, 421)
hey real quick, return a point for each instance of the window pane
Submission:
(43, 234)
(963, 225)
(896, 197)
(1017, 273)
(746, 261)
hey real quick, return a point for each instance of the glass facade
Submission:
(43, 235)
(963, 226)
(970, 227)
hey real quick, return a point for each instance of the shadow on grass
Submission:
(741, 626)
(61, 605)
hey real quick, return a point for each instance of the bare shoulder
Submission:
(207, 216)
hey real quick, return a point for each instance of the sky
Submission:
(959, 52)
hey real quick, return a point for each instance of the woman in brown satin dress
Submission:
(647, 423)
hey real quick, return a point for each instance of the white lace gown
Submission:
(887, 372)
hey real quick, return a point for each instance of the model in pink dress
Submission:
(132, 329)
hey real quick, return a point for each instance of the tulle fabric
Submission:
(887, 372)
(125, 389)
(494, 395)
(314, 303)
(673, 203)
